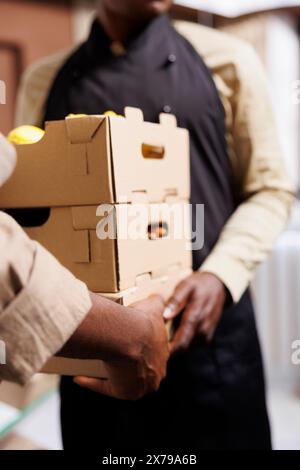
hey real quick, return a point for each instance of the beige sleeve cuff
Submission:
(41, 318)
(234, 274)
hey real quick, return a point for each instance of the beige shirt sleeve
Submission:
(41, 303)
(34, 88)
(260, 183)
(261, 187)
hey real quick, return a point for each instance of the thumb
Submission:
(178, 301)
(154, 303)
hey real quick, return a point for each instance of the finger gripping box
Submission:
(146, 286)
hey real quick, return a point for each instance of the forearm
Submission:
(41, 303)
(103, 334)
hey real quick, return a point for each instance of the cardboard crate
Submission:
(84, 162)
(163, 285)
(112, 265)
(95, 159)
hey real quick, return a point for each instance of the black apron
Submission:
(213, 396)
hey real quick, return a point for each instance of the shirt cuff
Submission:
(230, 271)
(41, 318)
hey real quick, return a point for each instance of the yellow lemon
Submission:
(107, 113)
(25, 135)
(112, 113)
(71, 115)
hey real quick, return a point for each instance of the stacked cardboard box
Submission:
(92, 174)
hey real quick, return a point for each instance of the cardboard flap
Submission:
(82, 129)
(168, 120)
(134, 114)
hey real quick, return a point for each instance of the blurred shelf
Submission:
(17, 403)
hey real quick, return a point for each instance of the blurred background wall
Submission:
(29, 30)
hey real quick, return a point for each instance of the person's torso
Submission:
(159, 72)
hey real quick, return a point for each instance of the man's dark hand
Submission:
(139, 342)
(201, 298)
